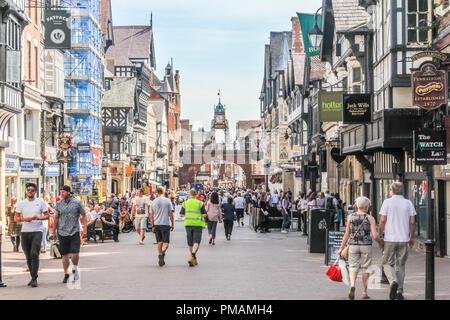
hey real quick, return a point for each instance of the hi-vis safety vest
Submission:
(193, 215)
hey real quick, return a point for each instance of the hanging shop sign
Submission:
(429, 87)
(82, 184)
(84, 147)
(57, 29)
(430, 147)
(11, 164)
(129, 171)
(306, 25)
(27, 165)
(96, 156)
(447, 128)
(429, 54)
(65, 143)
(299, 173)
(330, 106)
(52, 170)
(336, 155)
(357, 108)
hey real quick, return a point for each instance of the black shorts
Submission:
(162, 233)
(240, 213)
(194, 235)
(70, 244)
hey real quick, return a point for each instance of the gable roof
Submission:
(121, 94)
(348, 13)
(132, 42)
(276, 44)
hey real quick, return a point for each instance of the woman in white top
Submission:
(312, 204)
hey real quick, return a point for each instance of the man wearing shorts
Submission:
(161, 212)
(194, 212)
(67, 227)
(139, 213)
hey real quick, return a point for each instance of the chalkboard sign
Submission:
(334, 242)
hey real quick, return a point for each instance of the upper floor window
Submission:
(124, 72)
(418, 21)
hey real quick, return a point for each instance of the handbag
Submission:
(344, 252)
(55, 252)
(334, 272)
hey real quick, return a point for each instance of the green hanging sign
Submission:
(330, 106)
(306, 24)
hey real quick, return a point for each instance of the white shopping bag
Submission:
(344, 271)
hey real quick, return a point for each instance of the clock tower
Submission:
(219, 121)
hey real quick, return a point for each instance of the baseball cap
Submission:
(66, 188)
(30, 184)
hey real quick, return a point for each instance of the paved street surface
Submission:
(250, 266)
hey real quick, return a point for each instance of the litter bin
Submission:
(319, 221)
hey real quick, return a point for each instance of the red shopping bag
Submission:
(334, 272)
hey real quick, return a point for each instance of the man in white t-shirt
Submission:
(139, 213)
(398, 224)
(239, 204)
(31, 212)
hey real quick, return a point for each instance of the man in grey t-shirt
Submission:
(31, 212)
(161, 211)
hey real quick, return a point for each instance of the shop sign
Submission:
(27, 165)
(84, 147)
(11, 164)
(430, 147)
(330, 106)
(306, 25)
(96, 156)
(82, 184)
(57, 29)
(336, 155)
(65, 143)
(52, 170)
(299, 173)
(442, 172)
(357, 108)
(429, 54)
(129, 171)
(429, 87)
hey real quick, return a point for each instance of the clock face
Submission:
(220, 119)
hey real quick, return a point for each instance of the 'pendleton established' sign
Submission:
(430, 147)
(429, 87)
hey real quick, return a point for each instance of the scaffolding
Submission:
(83, 66)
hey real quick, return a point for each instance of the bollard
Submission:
(2, 285)
(305, 223)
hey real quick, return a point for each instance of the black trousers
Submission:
(228, 225)
(31, 245)
(263, 222)
(115, 231)
(16, 243)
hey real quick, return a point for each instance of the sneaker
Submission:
(161, 260)
(191, 261)
(195, 261)
(33, 283)
(242, 223)
(66, 278)
(228, 237)
(76, 276)
(393, 291)
(284, 231)
(29, 283)
(351, 294)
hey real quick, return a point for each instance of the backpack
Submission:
(329, 203)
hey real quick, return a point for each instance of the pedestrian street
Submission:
(251, 266)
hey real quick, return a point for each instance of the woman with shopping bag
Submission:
(361, 228)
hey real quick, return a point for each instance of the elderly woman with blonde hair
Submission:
(361, 228)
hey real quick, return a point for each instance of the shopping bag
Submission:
(344, 271)
(55, 252)
(334, 273)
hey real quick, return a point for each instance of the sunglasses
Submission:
(31, 190)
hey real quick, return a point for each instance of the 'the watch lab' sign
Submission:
(430, 147)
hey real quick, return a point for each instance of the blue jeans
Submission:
(286, 220)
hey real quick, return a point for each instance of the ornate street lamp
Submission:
(315, 35)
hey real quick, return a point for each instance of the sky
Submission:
(215, 44)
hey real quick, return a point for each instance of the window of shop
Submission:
(416, 192)
(383, 193)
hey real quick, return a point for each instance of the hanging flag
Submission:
(96, 156)
(306, 25)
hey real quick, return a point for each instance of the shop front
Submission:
(442, 176)
(29, 173)
(51, 181)
(12, 178)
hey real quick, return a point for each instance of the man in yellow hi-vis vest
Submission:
(194, 214)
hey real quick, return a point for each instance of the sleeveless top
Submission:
(363, 237)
